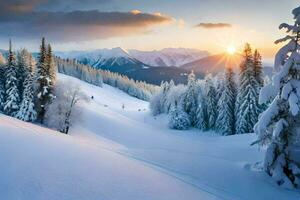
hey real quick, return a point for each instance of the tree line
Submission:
(138, 89)
(26, 86)
(29, 89)
(226, 103)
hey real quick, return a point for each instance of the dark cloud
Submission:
(214, 25)
(19, 6)
(20, 18)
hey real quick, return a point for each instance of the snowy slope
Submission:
(127, 155)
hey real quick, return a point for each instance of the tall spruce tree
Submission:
(27, 110)
(278, 127)
(2, 83)
(51, 65)
(11, 105)
(226, 116)
(22, 64)
(211, 103)
(257, 64)
(189, 100)
(201, 117)
(44, 83)
(248, 108)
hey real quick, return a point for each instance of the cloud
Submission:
(20, 18)
(214, 25)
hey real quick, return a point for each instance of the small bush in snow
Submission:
(63, 112)
(178, 119)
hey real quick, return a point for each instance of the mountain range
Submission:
(154, 66)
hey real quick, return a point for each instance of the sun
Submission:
(231, 49)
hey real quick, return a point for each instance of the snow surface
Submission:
(126, 154)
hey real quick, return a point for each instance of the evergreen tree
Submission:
(2, 82)
(168, 104)
(211, 103)
(201, 117)
(226, 116)
(257, 64)
(178, 119)
(165, 87)
(44, 83)
(247, 100)
(279, 125)
(219, 85)
(51, 65)
(27, 108)
(190, 99)
(11, 105)
(22, 63)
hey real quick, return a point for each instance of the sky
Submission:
(210, 25)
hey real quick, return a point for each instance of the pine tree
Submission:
(190, 99)
(168, 104)
(201, 117)
(178, 119)
(11, 105)
(278, 126)
(257, 64)
(165, 87)
(27, 110)
(211, 103)
(248, 108)
(2, 82)
(22, 63)
(51, 65)
(44, 82)
(226, 117)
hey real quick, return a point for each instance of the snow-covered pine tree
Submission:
(165, 87)
(167, 103)
(189, 100)
(11, 105)
(27, 110)
(22, 64)
(201, 117)
(2, 82)
(44, 85)
(219, 79)
(226, 116)
(211, 103)
(279, 125)
(51, 65)
(178, 118)
(248, 108)
(257, 64)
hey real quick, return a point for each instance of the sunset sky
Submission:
(210, 25)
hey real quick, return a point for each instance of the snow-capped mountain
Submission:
(110, 58)
(168, 56)
(116, 59)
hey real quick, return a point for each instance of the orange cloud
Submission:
(214, 25)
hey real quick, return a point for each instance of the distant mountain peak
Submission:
(168, 56)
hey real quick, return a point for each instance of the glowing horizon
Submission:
(139, 24)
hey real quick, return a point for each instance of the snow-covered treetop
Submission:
(296, 13)
(293, 38)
